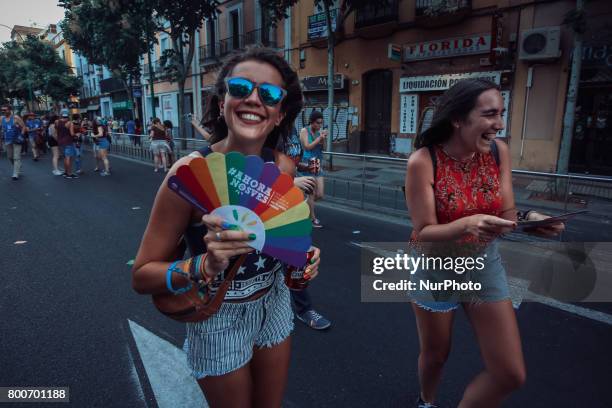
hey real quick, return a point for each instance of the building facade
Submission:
(392, 63)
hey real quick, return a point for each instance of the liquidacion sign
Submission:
(443, 82)
(448, 47)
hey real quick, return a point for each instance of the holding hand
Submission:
(548, 231)
(312, 270)
(307, 184)
(487, 227)
(223, 242)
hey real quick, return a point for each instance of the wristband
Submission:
(169, 272)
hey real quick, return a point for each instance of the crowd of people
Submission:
(63, 134)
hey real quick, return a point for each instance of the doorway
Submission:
(378, 90)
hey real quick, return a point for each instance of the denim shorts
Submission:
(69, 150)
(103, 144)
(224, 342)
(492, 278)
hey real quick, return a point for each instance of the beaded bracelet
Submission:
(169, 272)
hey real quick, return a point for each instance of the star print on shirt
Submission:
(260, 264)
(241, 270)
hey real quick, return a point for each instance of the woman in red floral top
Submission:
(459, 192)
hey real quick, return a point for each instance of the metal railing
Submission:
(139, 146)
(378, 181)
(372, 15)
(434, 8)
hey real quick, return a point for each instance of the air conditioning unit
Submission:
(540, 44)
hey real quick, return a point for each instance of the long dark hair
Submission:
(290, 106)
(454, 104)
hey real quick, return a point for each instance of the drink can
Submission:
(294, 277)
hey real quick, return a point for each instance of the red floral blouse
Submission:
(464, 188)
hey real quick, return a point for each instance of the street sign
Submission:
(394, 52)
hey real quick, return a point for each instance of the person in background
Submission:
(137, 133)
(52, 142)
(302, 301)
(12, 130)
(34, 129)
(65, 140)
(99, 132)
(170, 139)
(130, 128)
(159, 145)
(313, 139)
(76, 130)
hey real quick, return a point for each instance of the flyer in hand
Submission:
(255, 196)
(550, 221)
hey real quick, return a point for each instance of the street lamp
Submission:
(28, 75)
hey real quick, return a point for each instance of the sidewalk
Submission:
(537, 192)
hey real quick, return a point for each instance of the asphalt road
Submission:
(66, 299)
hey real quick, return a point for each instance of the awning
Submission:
(93, 107)
(83, 110)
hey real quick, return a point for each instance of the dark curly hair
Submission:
(454, 104)
(290, 106)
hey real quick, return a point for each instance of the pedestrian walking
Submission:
(12, 130)
(170, 139)
(459, 192)
(65, 141)
(240, 355)
(137, 133)
(302, 301)
(130, 127)
(312, 138)
(76, 131)
(34, 129)
(52, 142)
(159, 145)
(99, 133)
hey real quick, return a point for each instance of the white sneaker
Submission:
(57, 173)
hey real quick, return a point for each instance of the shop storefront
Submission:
(592, 141)
(418, 93)
(315, 98)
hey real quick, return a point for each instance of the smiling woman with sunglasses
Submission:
(240, 355)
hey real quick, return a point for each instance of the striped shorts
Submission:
(224, 342)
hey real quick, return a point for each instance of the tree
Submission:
(113, 33)
(278, 11)
(181, 19)
(33, 65)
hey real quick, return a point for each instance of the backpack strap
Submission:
(434, 160)
(495, 151)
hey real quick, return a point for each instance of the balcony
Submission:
(371, 15)
(436, 13)
(211, 53)
(261, 36)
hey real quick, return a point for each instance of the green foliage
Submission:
(114, 33)
(34, 66)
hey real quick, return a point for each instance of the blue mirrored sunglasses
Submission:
(241, 88)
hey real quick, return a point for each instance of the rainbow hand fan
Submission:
(253, 195)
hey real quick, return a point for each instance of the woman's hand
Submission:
(312, 270)
(223, 243)
(548, 231)
(487, 227)
(307, 184)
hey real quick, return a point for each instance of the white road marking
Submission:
(20, 242)
(167, 371)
